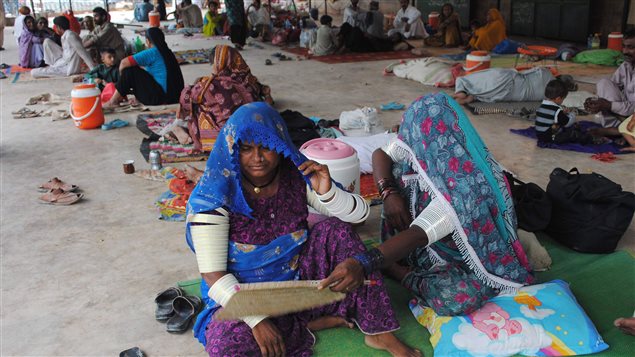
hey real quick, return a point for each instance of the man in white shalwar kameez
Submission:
(408, 22)
(65, 60)
(355, 16)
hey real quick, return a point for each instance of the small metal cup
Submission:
(128, 167)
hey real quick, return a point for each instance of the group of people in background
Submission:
(103, 52)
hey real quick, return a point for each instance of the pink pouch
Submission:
(108, 92)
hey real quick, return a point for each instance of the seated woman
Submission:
(161, 82)
(207, 104)
(449, 218)
(247, 222)
(485, 38)
(449, 33)
(502, 85)
(30, 45)
(354, 39)
(47, 32)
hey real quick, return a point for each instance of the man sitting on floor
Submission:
(65, 60)
(617, 94)
(189, 15)
(375, 21)
(105, 35)
(141, 11)
(408, 22)
(355, 16)
(260, 20)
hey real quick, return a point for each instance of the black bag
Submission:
(590, 212)
(301, 129)
(531, 203)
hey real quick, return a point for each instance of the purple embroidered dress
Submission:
(329, 243)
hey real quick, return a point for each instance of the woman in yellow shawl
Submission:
(487, 37)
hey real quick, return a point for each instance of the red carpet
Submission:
(353, 57)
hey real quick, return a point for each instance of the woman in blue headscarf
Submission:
(449, 217)
(247, 223)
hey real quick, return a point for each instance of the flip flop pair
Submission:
(59, 193)
(117, 123)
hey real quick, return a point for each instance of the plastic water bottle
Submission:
(589, 42)
(138, 45)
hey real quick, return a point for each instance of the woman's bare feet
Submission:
(181, 135)
(391, 344)
(627, 325)
(327, 322)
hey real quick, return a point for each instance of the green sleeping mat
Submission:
(603, 284)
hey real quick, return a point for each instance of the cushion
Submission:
(538, 320)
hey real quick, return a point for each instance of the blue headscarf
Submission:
(220, 185)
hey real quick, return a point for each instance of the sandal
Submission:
(117, 123)
(56, 183)
(185, 308)
(60, 197)
(164, 302)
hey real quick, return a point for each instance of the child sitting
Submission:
(106, 72)
(325, 40)
(555, 124)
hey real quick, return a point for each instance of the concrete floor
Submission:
(81, 279)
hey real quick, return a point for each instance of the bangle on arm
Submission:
(222, 291)
(434, 221)
(370, 260)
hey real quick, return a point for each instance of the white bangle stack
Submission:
(211, 241)
(222, 291)
(434, 221)
(344, 205)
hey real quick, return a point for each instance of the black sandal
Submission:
(164, 303)
(185, 308)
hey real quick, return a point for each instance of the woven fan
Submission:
(276, 299)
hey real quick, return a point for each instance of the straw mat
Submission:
(276, 299)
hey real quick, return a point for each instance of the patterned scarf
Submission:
(454, 166)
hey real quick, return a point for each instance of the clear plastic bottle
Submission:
(589, 42)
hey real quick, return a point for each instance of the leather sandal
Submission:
(164, 302)
(56, 183)
(185, 308)
(60, 197)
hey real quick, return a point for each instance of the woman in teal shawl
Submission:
(449, 218)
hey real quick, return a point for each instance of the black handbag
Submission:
(531, 203)
(590, 212)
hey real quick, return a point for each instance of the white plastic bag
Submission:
(362, 121)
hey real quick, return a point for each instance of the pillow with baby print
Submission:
(538, 320)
